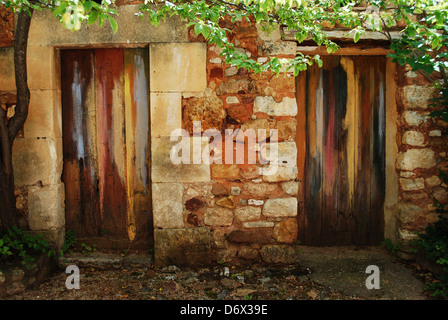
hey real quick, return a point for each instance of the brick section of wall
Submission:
(6, 27)
(245, 215)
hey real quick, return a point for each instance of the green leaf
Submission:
(93, 16)
(206, 32)
(435, 42)
(296, 71)
(318, 60)
(60, 10)
(113, 23)
(95, 5)
(428, 68)
(356, 36)
(411, 32)
(401, 61)
(88, 5)
(332, 48)
(198, 28)
(100, 20)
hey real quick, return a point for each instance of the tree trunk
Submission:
(8, 212)
(10, 128)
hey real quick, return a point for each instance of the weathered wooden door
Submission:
(344, 163)
(105, 109)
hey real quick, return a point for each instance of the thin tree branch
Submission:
(386, 32)
(386, 29)
(20, 70)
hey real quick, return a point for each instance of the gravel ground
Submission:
(172, 283)
(321, 275)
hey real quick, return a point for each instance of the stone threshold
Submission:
(102, 260)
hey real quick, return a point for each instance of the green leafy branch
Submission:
(71, 13)
(207, 17)
(19, 245)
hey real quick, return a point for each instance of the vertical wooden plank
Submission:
(342, 207)
(348, 147)
(313, 163)
(130, 115)
(136, 84)
(327, 145)
(378, 159)
(79, 173)
(330, 167)
(336, 203)
(364, 151)
(111, 142)
(301, 132)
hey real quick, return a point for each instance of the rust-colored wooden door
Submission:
(343, 105)
(105, 108)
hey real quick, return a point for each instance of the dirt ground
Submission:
(185, 284)
(320, 274)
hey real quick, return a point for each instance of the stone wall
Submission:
(422, 145)
(220, 212)
(37, 153)
(228, 211)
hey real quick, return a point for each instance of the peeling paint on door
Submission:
(107, 142)
(344, 157)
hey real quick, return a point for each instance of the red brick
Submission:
(6, 27)
(216, 73)
(239, 112)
